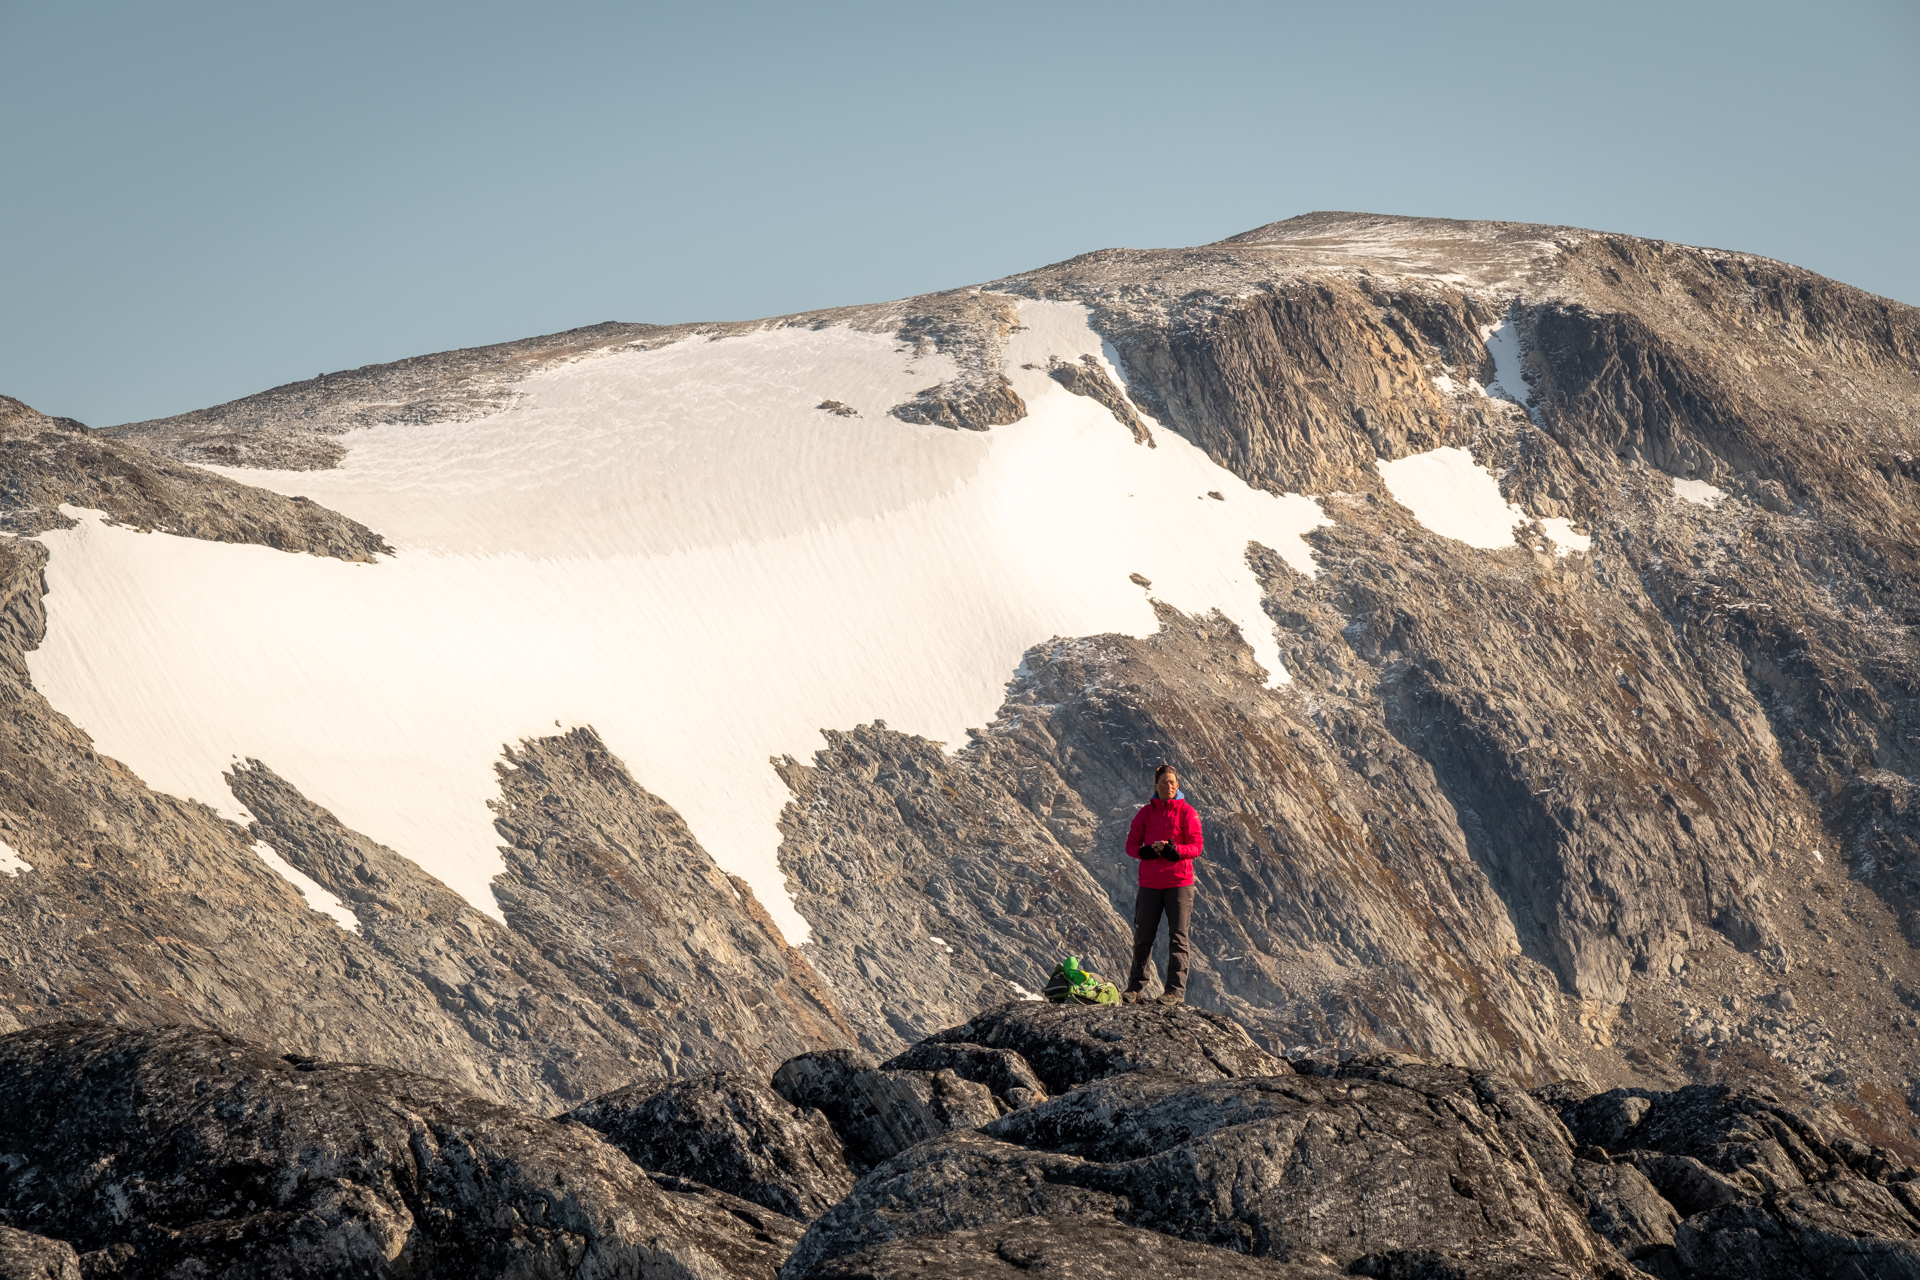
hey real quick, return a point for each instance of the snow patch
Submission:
(674, 546)
(317, 897)
(1452, 496)
(1509, 376)
(1456, 498)
(1560, 529)
(10, 860)
(1697, 491)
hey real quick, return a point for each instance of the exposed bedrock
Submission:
(625, 952)
(1171, 1143)
(49, 462)
(1088, 379)
(729, 1130)
(1072, 1246)
(931, 889)
(184, 1152)
(975, 404)
(1745, 1185)
(1300, 387)
(1376, 1165)
(25, 1256)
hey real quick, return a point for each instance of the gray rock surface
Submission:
(1755, 1186)
(626, 951)
(1063, 1246)
(730, 1131)
(25, 1256)
(880, 1113)
(1067, 1044)
(1005, 1073)
(49, 462)
(208, 1155)
(1375, 1165)
(931, 889)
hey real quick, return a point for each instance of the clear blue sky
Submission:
(201, 200)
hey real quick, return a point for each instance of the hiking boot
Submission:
(1132, 997)
(1171, 997)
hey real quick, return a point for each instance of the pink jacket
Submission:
(1160, 820)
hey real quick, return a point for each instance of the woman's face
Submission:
(1168, 783)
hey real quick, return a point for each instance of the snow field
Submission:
(1456, 498)
(10, 860)
(673, 546)
(317, 897)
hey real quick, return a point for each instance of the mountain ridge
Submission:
(1590, 816)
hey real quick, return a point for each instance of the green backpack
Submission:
(1072, 984)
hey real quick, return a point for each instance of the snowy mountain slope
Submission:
(1597, 808)
(675, 546)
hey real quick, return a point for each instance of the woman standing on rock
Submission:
(1164, 839)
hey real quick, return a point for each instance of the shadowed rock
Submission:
(1390, 1166)
(1003, 1071)
(1753, 1186)
(207, 1155)
(731, 1132)
(1062, 1246)
(880, 1113)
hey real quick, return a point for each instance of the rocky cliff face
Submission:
(1640, 815)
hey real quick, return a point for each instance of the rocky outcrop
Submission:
(1172, 1145)
(1007, 1075)
(1065, 1048)
(626, 952)
(50, 462)
(1088, 378)
(880, 1113)
(1374, 1166)
(188, 1152)
(1744, 1185)
(973, 405)
(605, 880)
(1072, 1246)
(931, 890)
(729, 1131)
(25, 1256)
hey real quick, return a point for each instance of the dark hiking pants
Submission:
(1177, 904)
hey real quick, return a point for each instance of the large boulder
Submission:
(1385, 1166)
(879, 1113)
(1070, 1044)
(730, 1131)
(181, 1151)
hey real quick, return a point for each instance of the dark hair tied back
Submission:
(1163, 769)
